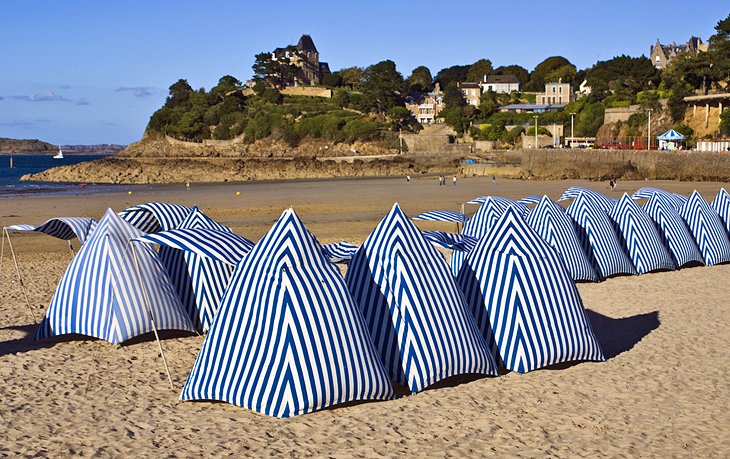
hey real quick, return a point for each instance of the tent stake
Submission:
(20, 277)
(149, 311)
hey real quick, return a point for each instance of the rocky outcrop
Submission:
(26, 146)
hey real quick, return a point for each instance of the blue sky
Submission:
(83, 72)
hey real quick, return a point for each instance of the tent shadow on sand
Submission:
(27, 343)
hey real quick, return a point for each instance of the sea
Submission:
(10, 183)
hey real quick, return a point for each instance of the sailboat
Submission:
(58, 155)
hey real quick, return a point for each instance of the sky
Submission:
(88, 72)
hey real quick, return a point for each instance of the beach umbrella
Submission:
(524, 301)
(64, 228)
(674, 199)
(673, 231)
(413, 308)
(604, 202)
(549, 220)
(721, 205)
(600, 242)
(640, 238)
(707, 228)
(670, 135)
(155, 216)
(288, 338)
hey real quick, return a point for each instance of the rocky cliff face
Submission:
(26, 146)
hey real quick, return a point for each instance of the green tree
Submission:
(725, 122)
(383, 86)
(478, 69)
(453, 74)
(332, 80)
(543, 69)
(519, 72)
(353, 77)
(180, 92)
(420, 80)
(274, 72)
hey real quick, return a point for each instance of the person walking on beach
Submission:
(494, 179)
(408, 178)
(187, 186)
(612, 182)
(454, 181)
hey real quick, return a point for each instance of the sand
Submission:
(663, 391)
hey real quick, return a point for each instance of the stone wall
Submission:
(622, 114)
(311, 91)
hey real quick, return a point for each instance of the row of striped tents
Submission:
(413, 308)
(524, 301)
(155, 216)
(64, 228)
(503, 202)
(721, 205)
(673, 231)
(599, 240)
(549, 220)
(101, 294)
(288, 338)
(640, 238)
(673, 199)
(601, 200)
(707, 228)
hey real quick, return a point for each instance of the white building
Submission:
(500, 83)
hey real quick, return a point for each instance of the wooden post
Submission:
(20, 277)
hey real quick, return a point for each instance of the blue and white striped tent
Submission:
(721, 204)
(530, 200)
(415, 312)
(524, 300)
(452, 241)
(640, 237)
(707, 229)
(670, 135)
(555, 227)
(674, 199)
(442, 216)
(288, 338)
(600, 242)
(339, 252)
(101, 294)
(64, 228)
(491, 208)
(673, 231)
(155, 216)
(604, 202)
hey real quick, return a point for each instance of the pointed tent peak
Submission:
(511, 233)
(396, 208)
(624, 204)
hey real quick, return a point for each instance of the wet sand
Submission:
(664, 390)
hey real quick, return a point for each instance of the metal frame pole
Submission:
(17, 271)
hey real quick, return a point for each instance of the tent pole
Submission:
(71, 248)
(2, 251)
(149, 311)
(20, 277)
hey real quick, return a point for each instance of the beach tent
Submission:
(674, 199)
(155, 216)
(288, 338)
(673, 231)
(524, 301)
(192, 255)
(707, 228)
(413, 308)
(101, 295)
(640, 237)
(604, 202)
(442, 216)
(530, 200)
(600, 242)
(452, 241)
(721, 205)
(491, 208)
(339, 252)
(668, 139)
(64, 228)
(549, 220)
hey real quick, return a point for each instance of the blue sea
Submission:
(29, 164)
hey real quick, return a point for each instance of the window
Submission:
(657, 59)
(560, 89)
(553, 89)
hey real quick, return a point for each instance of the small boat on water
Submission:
(58, 155)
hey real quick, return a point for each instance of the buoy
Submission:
(238, 193)
(129, 192)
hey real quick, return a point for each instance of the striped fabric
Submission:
(155, 216)
(339, 252)
(600, 242)
(413, 308)
(101, 294)
(707, 229)
(640, 238)
(721, 204)
(524, 300)
(288, 339)
(555, 227)
(530, 200)
(604, 202)
(442, 216)
(224, 246)
(674, 199)
(65, 228)
(452, 241)
(491, 208)
(673, 231)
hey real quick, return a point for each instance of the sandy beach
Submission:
(663, 391)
